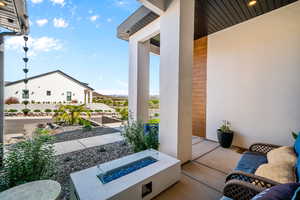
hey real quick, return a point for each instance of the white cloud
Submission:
(36, 1)
(94, 18)
(41, 22)
(113, 92)
(36, 45)
(60, 23)
(121, 3)
(109, 20)
(59, 2)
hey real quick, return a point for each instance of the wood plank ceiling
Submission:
(214, 15)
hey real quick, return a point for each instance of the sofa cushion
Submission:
(250, 161)
(297, 146)
(282, 155)
(278, 192)
(281, 173)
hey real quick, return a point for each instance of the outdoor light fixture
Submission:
(2, 4)
(252, 3)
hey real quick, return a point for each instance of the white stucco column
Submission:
(1, 97)
(91, 96)
(139, 60)
(176, 54)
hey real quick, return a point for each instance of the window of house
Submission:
(48, 93)
(69, 96)
(25, 94)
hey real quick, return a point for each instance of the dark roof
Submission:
(52, 72)
(139, 19)
(210, 16)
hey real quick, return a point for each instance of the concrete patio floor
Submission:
(203, 178)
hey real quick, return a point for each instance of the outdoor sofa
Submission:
(242, 183)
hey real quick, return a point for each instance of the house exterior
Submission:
(53, 87)
(219, 60)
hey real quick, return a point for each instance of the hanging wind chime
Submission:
(25, 70)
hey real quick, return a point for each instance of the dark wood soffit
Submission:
(214, 15)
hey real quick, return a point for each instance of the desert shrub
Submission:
(124, 113)
(12, 100)
(74, 101)
(87, 125)
(48, 110)
(37, 111)
(12, 110)
(135, 134)
(26, 111)
(42, 131)
(25, 102)
(27, 161)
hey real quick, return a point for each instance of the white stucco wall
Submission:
(253, 78)
(58, 84)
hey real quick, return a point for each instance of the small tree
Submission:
(71, 114)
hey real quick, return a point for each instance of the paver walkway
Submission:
(80, 144)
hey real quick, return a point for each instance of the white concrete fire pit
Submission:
(139, 176)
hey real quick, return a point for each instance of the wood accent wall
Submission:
(199, 87)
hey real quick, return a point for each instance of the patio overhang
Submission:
(211, 16)
(242, 36)
(13, 17)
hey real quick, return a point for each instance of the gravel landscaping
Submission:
(81, 133)
(79, 160)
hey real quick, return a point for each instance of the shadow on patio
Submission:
(203, 177)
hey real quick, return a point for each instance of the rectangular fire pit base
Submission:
(143, 183)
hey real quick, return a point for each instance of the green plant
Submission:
(48, 110)
(12, 110)
(134, 133)
(295, 135)
(25, 102)
(225, 127)
(26, 111)
(87, 125)
(71, 114)
(28, 161)
(124, 113)
(37, 111)
(154, 121)
(42, 131)
(156, 115)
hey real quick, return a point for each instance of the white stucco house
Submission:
(54, 87)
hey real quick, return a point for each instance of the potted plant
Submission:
(225, 134)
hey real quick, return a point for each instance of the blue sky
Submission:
(79, 38)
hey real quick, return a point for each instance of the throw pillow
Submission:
(282, 155)
(281, 173)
